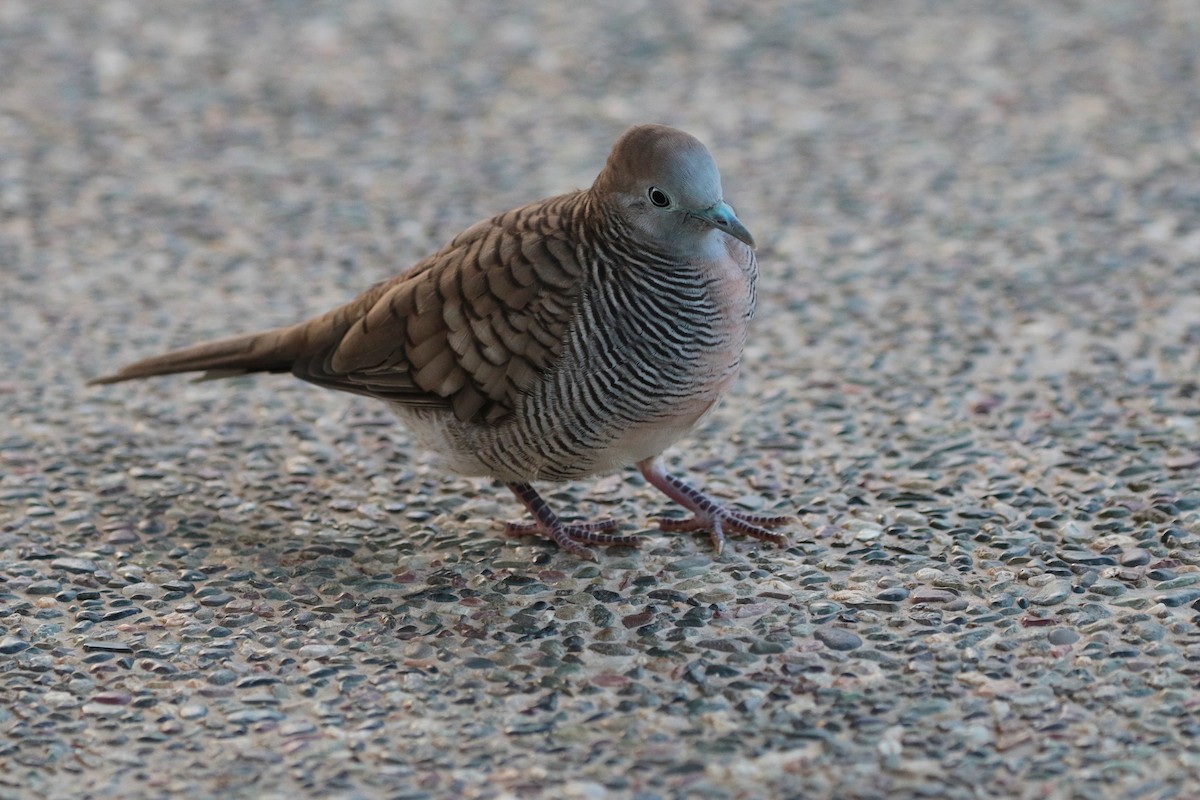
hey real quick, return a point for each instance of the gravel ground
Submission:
(974, 379)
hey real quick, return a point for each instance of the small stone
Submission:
(300, 727)
(142, 591)
(925, 594)
(751, 502)
(57, 699)
(317, 651)
(193, 711)
(107, 647)
(1072, 531)
(145, 473)
(121, 613)
(689, 563)
(256, 680)
(1182, 597)
(1136, 557)
(1190, 579)
(1061, 636)
(838, 638)
(864, 531)
(222, 677)
(158, 666)
(11, 644)
(1051, 594)
(217, 599)
(479, 662)
(113, 698)
(249, 716)
(300, 466)
(79, 566)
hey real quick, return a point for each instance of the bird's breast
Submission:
(648, 356)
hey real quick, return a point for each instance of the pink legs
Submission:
(569, 536)
(707, 514)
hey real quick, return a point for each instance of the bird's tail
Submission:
(270, 351)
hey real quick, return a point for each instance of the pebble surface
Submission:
(974, 379)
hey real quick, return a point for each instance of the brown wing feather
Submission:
(469, 328)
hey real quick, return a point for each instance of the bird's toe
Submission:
(722, 521)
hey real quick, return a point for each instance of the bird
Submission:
(570, 337)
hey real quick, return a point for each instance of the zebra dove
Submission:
(565, 338)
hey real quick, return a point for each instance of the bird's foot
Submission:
(570, 536)
(708, 514)
(722, 520)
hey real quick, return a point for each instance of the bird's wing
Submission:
(470, 328)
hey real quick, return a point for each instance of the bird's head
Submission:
(666, 184)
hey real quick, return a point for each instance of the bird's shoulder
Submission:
(471, 327)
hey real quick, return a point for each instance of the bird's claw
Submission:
(723, 520)
(570, 536)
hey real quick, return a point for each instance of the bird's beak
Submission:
(721, 216)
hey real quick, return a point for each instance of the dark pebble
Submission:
(256, 680)
(113, 698)
(11, 644)
(43, 587)
(1179, 598)
(107, 647)
(250, 716)
(601, 617)
(479, 663)
(1087, 559)
(79, 566)
(158, 667)
(222, 677)
(838, 638)
(1059, 636)
(893, 595)
(121, 613)
(638, 619)
(1135, 558)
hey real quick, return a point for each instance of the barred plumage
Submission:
(564, 338)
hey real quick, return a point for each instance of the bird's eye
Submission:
(658, 197)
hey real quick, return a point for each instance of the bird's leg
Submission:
(567, 535)
(708, 514)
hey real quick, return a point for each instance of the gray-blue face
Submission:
(669, 184)
(687, 174)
